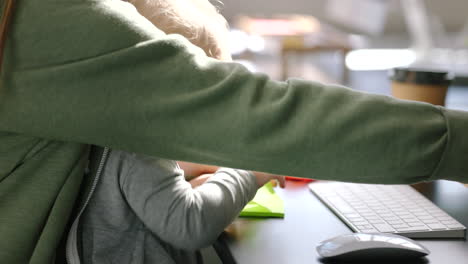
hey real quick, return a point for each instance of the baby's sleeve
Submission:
(186, 218)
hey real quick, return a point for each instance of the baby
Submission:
(143, 210)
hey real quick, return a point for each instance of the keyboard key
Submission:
(369, 215)
(413, 229)
(456, 226)
(384, 228)
(420, 214)
(352, 215)
(425, 217)
(370, 230)
(443, 218)
(341, 205)
(416, 224)
(398, 227)
(436, 226)
(387, 215)
(407, 217)
(376, 221)
(359, 222)
(452, 224)
(445, 222)
(430, 221)
(361, 227)
(364, 211)
(395, 222)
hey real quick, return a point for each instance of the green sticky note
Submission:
(266, 203)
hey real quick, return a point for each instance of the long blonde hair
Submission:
(4, 23)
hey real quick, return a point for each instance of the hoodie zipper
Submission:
(72, 254)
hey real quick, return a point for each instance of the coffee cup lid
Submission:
(421, 76)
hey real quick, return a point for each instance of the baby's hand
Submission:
(263, 178)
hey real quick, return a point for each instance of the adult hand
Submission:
(212, 28)
(263, 178)
(196, 20)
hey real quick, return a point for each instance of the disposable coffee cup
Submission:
(418, 84)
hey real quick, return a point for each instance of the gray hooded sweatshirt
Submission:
(144, 211)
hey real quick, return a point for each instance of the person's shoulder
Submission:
(143, 170)
(153, 163)
(53, 32)
(144, 164)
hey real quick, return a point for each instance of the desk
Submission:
(307, 221)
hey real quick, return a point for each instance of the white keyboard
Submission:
(376, 208)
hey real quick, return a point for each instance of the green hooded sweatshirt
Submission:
(80, 72)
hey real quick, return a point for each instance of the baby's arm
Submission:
(184, 217)
(192, 171)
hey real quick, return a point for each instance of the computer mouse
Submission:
(368, 246)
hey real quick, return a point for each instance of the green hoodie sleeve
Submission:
(115, 80)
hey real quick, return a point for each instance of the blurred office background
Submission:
(351, 42)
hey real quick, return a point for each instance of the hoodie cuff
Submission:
(453, 164)
(251, 180)
(248, 183)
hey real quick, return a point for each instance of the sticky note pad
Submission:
(266, 203)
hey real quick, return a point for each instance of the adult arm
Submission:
(200, 23)
(134, 87)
